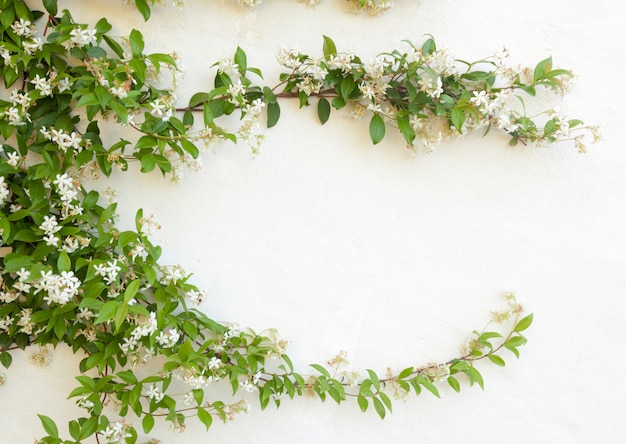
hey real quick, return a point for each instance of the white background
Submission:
(391, 256)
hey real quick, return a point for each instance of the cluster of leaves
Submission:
(68, 275)
(425, 91)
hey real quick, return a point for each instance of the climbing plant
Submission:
(70, 275)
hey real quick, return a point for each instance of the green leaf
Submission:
(107, 312)
(380, 408)
(323, 110)
(405, 373)
(131, 290)
(127, 376)
(136, 43)
(241, 61)
(205, 417)
(457, 116)
(542, 68)
(74, 429)
(429, 386)
(190, 148)
(338, 103)
(524, 323)
(475, 377)
(496, 360)
(49, 426)
(147, 423)
(88, 99)
(273, 114)
(268, 95)
(6, 359)
(148, 162)
(363, 403)
(406, 129)
(51, 6)
(321, 369)
(198, 99)
(64, 263)
(346, 87)
(377, 129)
(385, 399)
(374, 378)
(207, 113)
(329, 47)
(516, 341)
(120, 316)
(143, 8)
(454, 383)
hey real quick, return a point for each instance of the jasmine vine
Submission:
(69, 275)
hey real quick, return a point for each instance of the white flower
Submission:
(84, 403)
(432, 87)
(4, 191)
(5, 323)
(234, 90)
(214, 363)
(83, 37)
(376, 67)
(228, 67)
(195, 297)
(154, 393)
(50, 225)
(161, 109)
(189, 399)
(116, 433)
(60, 288)
(442, 62)
(367, 90)
(288, 57)
(341, 61)
(14, 116)
(43, 85)
(32, 47)
(248, 386)
(64, 84)
(51, 240)
(85, 314)
(119, 92)
(18, 98)
(168, 339)
(23, 28)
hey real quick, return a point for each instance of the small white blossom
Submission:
(154, 393)
(168, 339)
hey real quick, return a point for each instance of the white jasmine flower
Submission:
(14, 116)
(51, 240)
(43, 85)
(214, 363)
(23, 28)
(168, 339)
(50, 225)
(83, 37)
(154, 393)
(161, 109)
(228, 67)
(248, 386)
(288, 57)
(4, 191)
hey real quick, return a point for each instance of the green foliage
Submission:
(70, 276)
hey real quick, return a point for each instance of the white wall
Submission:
(390, 256)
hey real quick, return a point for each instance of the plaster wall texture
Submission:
(391, 256)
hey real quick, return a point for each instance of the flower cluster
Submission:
(69, 275)
(427, 94)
